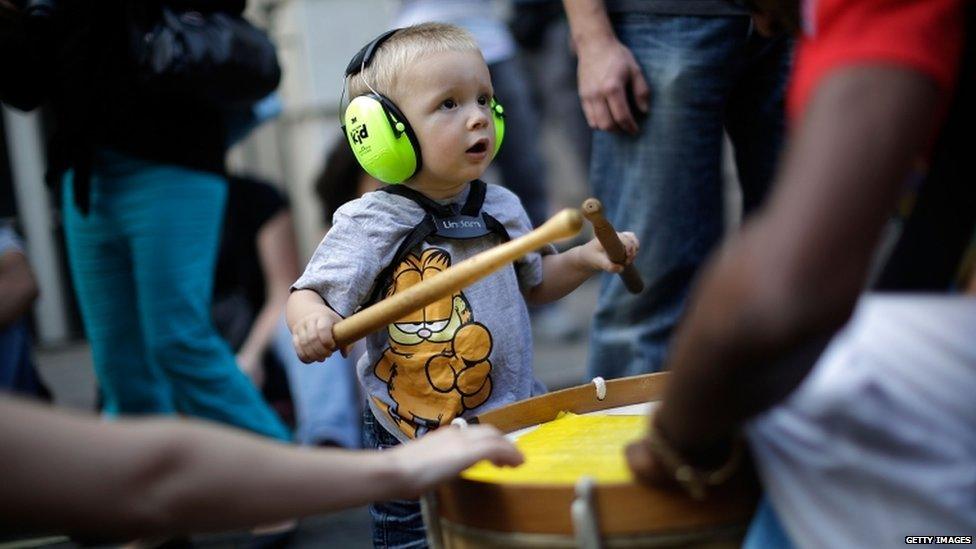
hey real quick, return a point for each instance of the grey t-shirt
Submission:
(677, 7)
(460, 356)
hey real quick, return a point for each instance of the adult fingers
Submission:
(645, 467)
(616, 99)
(586, 113)
(486, 442)
(600, 117)
(639, 88)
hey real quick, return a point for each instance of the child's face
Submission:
(446, 96)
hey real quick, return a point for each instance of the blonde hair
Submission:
(401, 50)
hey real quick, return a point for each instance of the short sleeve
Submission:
(506, 207)
(342, 269)
(922, 35)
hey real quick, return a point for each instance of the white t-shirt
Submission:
(879, 442)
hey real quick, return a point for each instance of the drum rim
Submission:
(458, 500)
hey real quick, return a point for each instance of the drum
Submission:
(467, 513)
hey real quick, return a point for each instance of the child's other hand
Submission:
(595, 257)
(312, 336)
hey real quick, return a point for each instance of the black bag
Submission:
(216, 56)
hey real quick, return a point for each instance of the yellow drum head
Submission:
(568, 448)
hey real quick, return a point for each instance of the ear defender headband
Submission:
(381, 138)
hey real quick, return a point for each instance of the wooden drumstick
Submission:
(607, 235)
(562, 225)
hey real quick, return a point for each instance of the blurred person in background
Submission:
(257, 263)
(660, 81)
(541, 31)
(342, 179)
(142, 173)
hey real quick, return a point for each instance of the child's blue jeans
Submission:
(142, 261)
(396, 523)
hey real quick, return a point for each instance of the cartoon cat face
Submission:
(437, 322)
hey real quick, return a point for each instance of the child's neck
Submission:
(437, 191)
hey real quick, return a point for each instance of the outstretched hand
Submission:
(445, 452)
(594, 256)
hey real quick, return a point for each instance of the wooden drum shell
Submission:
(628, 514)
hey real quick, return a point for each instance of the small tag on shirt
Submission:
(460, 227)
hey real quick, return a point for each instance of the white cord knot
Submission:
(460, 422)
(601, 387)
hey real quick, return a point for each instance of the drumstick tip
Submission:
(569, 222)
(592, 206)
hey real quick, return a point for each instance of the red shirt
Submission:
(921, 35)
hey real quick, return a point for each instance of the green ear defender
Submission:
(380, 135)
(381, 139)
(498, 115)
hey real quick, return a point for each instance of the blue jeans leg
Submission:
(325, 394)
(100, 260)
(174, 282)
(159, 226)
(397, 524)
(665, 183)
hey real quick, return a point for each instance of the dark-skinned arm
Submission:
(792, 276)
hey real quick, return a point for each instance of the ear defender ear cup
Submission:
(381, 139)
(498, 114)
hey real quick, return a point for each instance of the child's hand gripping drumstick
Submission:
(563, 225)
(607, 235)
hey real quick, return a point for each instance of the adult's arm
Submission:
(135, 478)
(278, 256)
(793, 275)
(607, 69)
(18, 289)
